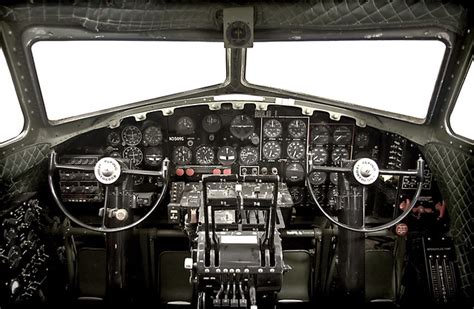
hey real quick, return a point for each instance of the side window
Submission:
(11, 116)
(461, 117)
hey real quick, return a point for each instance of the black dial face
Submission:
(134, 154)
(320, 135)
(152, 136)
(182, 155)
(294, 172)
(339, 154)
(319, 155)
(333, 178)
(113, 139)
(342, 136)
(249, 155)
(185, 126)
(272, 128)
(317, 178)
(272, 150)
(297, 128)
(131, 135)
(226, 155)
(242, 126)
(153, 156)
(211, 123)
(296, 150)
(362, 139)
(205, 155)
(297, 195)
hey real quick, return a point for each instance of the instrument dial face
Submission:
(317, 178)
(242, 126)
(342, 136)
(272, 150)
(319, 155)
(153, 156)
(205, 155)
(182, 155)
(113, 138)
(333, 178)
(134, 154)
(297, 128)
(249, 155)
(320, 135)
(297, 195)
(272, 128)
(211, 123)
(294, 172)
(362, 139)
(185, 126)
(131, 135)
(296, 150)
(226, 155)
(152, 136)
(339, 154)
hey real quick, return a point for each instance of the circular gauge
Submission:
(296, 150)
(185, 125)
(271, 150)
(297, 195)
(272, 128)
(249, 155)
(339, 154)
(317, 178)
(320, 135)
(131, 135)
(319, 155)
(138, 179)
(153, 156)
(342, 136)
(113, 138)
(297, 128)
(294, 172)
(333, 178)
(242, 126)
(182, 155)
(211, 123)
(226, 155)
(134, 154)
(362, 139)
(205, 155)
(152, 136)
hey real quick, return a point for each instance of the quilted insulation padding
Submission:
(23, 171)
(143, 15)
(454, 171)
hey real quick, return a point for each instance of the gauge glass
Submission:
(296, 150)
(362, 139)
(297, 128)
(205, 155)
(182, 155)
(297, 195)
(317, 178)
(113, 138)
(134, 154)
(249, 155)
(131, 135)
(272, 150)
(226, 155)
(320, 135)
(294, 172)
(272, 128)
(152, 136)
(339, 154)
(242, 126)
(185, 125)
(153, 156)
(211, 123)
(319, 155)
(342, 136)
